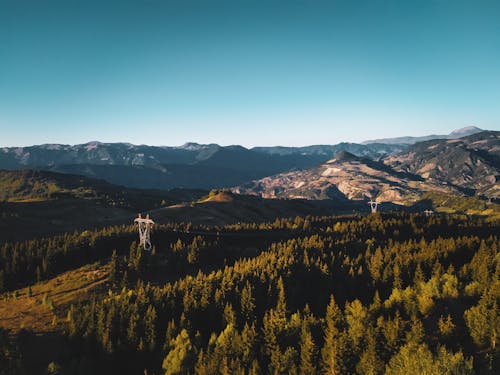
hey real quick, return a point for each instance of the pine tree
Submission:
(170, 333)
(329, 352)
(397, 283)
(356, 317)
(307, 349)
(181, 356)
(150, 327)
(369, 363)
(281, 309)
(375, 265)
(483, 320)
(271, 345)
(229, 317)
(248, 341)
(247, 303)
(113, 268)
(132, 328)
(419, 276)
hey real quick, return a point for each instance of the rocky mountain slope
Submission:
(346, 176)
(467, 166)
(471, 163)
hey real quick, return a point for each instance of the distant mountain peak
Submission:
(343, 156)
(468, 130)
(51, 146)
(193, 146)
(92, 145)
(458, 133)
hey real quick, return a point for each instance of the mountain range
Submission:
(387, 171)
(465, 166)
(458, 133)
(101, 184)
(470, 163)
(191, 165)
(345, 177)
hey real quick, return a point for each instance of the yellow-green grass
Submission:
(46, 309)
(447, 203)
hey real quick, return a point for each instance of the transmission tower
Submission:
(144, 231)
(373, 206)
(428, 212)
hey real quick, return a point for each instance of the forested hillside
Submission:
(393, 294)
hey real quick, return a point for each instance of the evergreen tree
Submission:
(330, 352)
(150, 327)
(229, 317)
(247, 303)
(281, 309)
(370, 363)
(307, 349)
(483, 320)
(113, 268)
(181, 355)
(356, 318)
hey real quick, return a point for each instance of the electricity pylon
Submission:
(373, 206)
(144, 231)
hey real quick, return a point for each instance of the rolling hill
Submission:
(36, 186)
(40, 203)
(225, 207)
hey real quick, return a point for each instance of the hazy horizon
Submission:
(222, 144)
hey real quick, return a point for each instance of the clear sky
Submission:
(245, 72)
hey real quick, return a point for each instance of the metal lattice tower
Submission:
(144, 231)
(373, 206)
(428, 212)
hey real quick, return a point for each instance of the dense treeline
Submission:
(35, 260)
(26, 262)
(394, 294)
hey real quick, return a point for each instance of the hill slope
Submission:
(343, 177)
(35, 185)
(471, 163)
(225, 207)
(39, 203)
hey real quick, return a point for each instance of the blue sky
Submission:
(245, 72)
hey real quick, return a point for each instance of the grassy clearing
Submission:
(447, 203)
(45, 310)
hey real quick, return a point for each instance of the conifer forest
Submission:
(388, 293)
